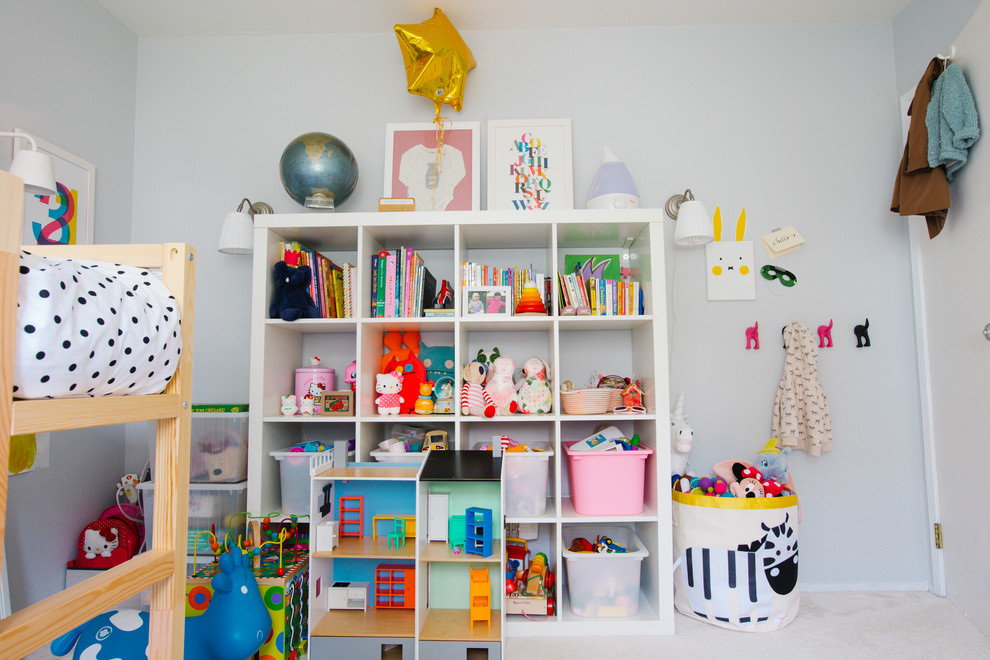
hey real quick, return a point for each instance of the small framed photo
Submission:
(413, 170)
(529, 165)
(65, 217)
(487, 300)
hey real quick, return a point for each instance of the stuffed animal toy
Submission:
(681, 438)
(389, 386)
(292, 300)
(772, 462)
(500, 386)
(405, 361)
(534, 396)
(474, 399)
(749, 482)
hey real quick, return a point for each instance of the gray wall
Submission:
(68, 76)
(922, 29)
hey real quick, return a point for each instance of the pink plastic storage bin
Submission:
(607, 483)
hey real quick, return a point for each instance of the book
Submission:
(337, 277)
(435, 312)
(377, 285)
(427, 290)
(389, 289)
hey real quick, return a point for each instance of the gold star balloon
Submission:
(436, 59)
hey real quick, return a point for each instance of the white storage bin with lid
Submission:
(524, 479)
(603, 584)
(293, 467)
(383, 456)
(210, 505)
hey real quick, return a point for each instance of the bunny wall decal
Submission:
(730, 263)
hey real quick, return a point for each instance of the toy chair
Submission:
(398, 534)
(457, 533)
(481, 596)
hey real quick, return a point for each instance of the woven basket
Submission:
(586, 402)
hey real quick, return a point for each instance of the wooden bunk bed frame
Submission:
(163, 566)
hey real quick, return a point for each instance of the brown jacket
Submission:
(918, 188)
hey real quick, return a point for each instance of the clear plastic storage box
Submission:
(209, 505)
(603, 584)
(218, 444)
(525, 480)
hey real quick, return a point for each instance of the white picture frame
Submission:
(410, 161)
(529, 165)
(66, 217)
(487, 301)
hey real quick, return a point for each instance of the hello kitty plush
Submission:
(102, 542)
(289, 405)
(389, 387)
(535, 396)
(500, 386)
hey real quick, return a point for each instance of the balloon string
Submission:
(438, 165)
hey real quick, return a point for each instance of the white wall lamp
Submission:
(34, 167)
(694, 225)
(237, 234)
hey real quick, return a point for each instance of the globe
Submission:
(318, 170)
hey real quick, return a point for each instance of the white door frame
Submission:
(918, 234)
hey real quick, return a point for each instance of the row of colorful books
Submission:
(332, 287)
(401, 284)
(602, 296)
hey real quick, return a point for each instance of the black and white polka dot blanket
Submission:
(86, 328)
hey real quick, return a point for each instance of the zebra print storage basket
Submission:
(736, 560)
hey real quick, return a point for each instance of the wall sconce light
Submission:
(694, 225)
(34, 167)
(237, 234)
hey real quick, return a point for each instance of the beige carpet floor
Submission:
(832, 626)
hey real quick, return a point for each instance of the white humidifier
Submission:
(612, 186)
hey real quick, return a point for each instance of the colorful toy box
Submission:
(604, 584)
(286, 598)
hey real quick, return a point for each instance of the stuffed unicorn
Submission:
(681, 437)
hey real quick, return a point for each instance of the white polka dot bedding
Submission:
(86, 328)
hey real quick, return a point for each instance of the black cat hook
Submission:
(862, 334)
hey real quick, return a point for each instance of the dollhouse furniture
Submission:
(398, 533)
(570, 345)
(409, 522)
(351, 516)
(478, 531)
(480, 596)
(348, 596)
(395, 586)
(162, 567)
